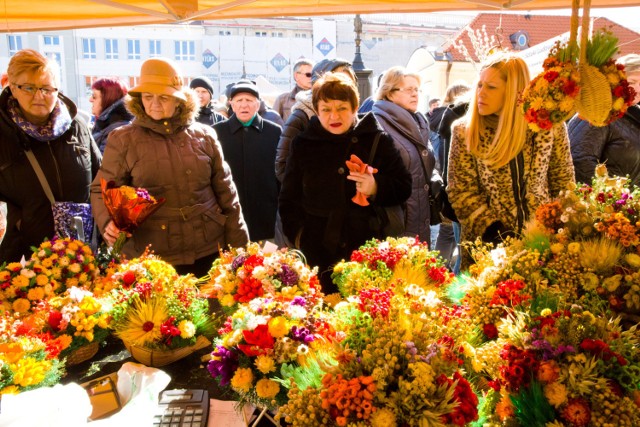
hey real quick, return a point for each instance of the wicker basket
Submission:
(594, 102)
(82, 354)
(157, 358)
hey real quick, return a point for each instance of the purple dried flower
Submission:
(238, 262)
(302, 335)
(288, 276)
(299, 301)
(142, 193)
(225, 367)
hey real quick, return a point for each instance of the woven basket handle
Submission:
(586, 30)
(573, 32)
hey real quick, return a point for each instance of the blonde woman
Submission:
(499, 171)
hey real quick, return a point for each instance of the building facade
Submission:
(225, 51)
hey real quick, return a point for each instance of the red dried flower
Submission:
(577, 412)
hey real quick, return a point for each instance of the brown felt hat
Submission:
(159, 76)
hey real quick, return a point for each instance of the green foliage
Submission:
(601, 47)
(531, 407)
(458, 288)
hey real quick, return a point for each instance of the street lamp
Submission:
(363, 74)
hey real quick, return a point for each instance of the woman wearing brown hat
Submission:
(165, 151)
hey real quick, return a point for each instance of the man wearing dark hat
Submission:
(204, 89)
(302, 76)
(249, 145)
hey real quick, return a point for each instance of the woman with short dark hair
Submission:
(316, 206)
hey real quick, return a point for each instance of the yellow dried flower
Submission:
(267, 388)
(242, 380)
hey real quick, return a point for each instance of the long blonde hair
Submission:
(511, 133)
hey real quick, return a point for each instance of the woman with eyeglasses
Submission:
(107, 106)
(167, 152)
(316, 202)
(499, 170)
(36, 117)
(396, 109)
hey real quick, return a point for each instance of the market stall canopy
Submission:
(36, 15)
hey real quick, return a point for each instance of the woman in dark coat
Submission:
(35, 116)
(316, 205)
(396, 109)
(107, 106)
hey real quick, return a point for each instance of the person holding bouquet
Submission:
(321, 200)
(175, 158)
(499, 171)
(36, 118)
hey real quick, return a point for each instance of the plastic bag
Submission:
(57, 406)
(138, 389)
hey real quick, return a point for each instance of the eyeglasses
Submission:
(408, 90)
(305, 74)
(32, 89)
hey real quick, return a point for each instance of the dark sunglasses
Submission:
(306, 74)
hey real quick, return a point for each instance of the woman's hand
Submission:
(111, 233)
(365, 182)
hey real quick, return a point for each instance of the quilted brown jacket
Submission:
(180, 160)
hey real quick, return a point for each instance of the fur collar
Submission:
(303, 102)
(184, 116)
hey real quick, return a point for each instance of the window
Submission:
(133, 81)
(89, 48)
(154, 48)
(224, 33)
(186, 50)
(301, 35)
(261, 34)
(56, 56)
(376, 39)
(15, 44)
(111, 49)
(133, 49)
(277, 35)
(51, 40)
(88, 81)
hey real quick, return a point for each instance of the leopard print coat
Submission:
(481, 196)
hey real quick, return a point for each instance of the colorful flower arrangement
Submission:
(266, 342)
(55, 266)
(563, 367)
(77, 318)
(399, 362)
(155, 308)
(128, 207)
(241, 274)
(585, 245)
(24, 286)
(27, 360)
(394, 262)
(549, 98)
(70, 262)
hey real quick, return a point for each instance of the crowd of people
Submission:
(313, 173)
